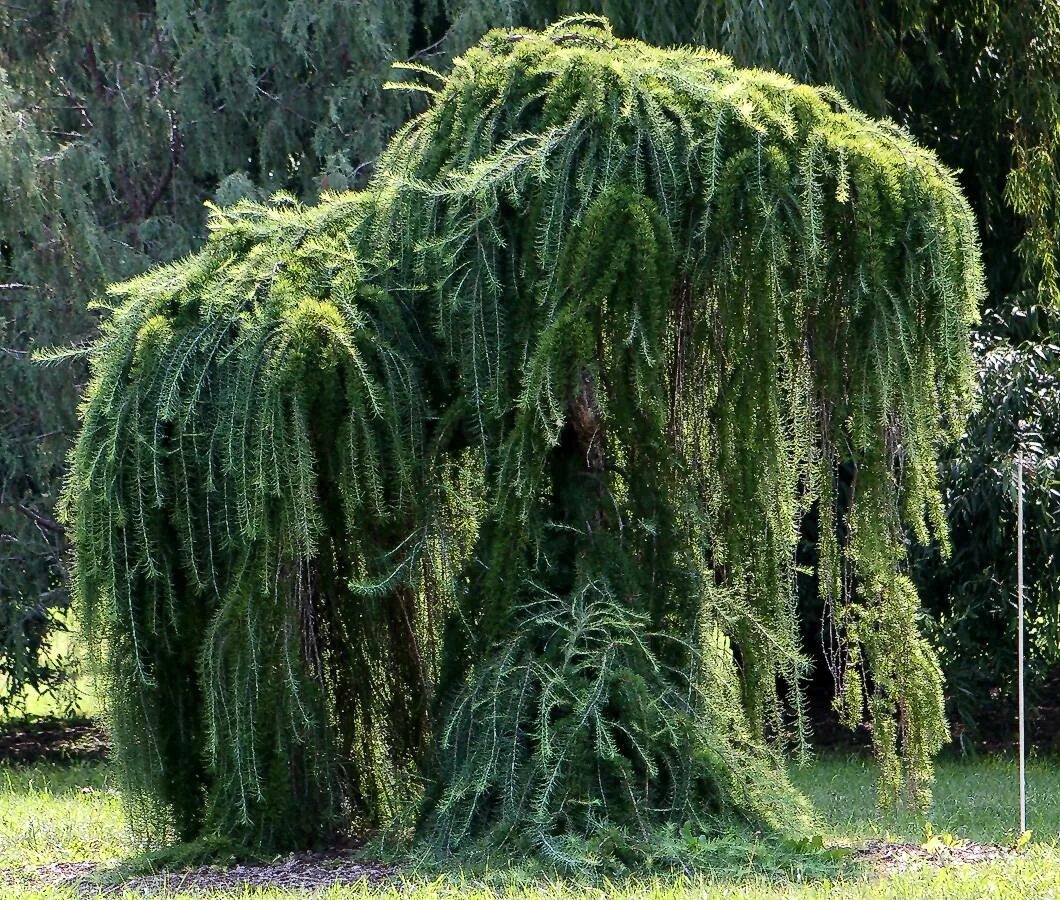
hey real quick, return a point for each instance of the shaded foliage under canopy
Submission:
(490, 476)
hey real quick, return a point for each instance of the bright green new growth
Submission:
(480, 490)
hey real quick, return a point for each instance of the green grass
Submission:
(59, 813)
(975, 799)
(74, 699)
(65, 703)
(51, 814)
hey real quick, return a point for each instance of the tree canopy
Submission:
(120, 119)
(489, 477)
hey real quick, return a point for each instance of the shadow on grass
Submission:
(46, 739)
(732, 856)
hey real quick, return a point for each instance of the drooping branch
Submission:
(489, 477)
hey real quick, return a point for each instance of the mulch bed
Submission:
(316, 871)
(889, 857)
(57, 740)
(296, 872)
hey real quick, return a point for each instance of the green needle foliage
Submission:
(477, 492)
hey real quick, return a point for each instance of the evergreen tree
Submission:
(120, 119)
(644, 304)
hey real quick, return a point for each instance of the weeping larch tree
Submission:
(472, 498)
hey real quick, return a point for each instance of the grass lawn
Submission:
(61, 814)
(74, 699)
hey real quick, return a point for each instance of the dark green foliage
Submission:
(50, 258)
(975, 80)
(117, 120)
(984, 96)
(973, 591)
(492, 474)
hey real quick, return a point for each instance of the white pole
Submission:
(1019, 639)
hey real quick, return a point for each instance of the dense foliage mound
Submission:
(477, 493)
